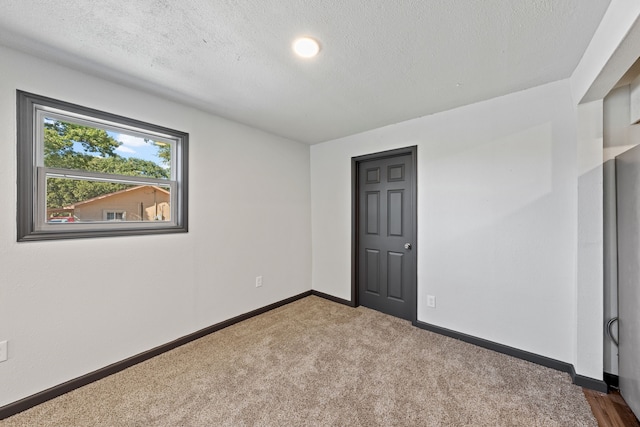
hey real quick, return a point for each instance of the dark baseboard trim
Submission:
(588, 382)
(500, 348)
(613, 381)
(558, 365)
(53, 392)
(332, 298)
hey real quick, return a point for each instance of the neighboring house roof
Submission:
(106, 196)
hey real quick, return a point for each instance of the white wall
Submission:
(610, 264)
(590, 261)
(618, 137)
(70, 307)
(497, 223)
(619, 134)
(612, 50)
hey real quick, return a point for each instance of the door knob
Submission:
(407, 246)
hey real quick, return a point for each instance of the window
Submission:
(87, 173)
(115, 215)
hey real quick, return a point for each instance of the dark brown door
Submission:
(386, 254)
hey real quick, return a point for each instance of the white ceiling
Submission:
(382, 61)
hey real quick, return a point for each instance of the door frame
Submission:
(355, 209)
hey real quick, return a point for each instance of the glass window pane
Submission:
(109, 175)
(74, 146)
(81, 201)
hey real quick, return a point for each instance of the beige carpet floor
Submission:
(318, 363)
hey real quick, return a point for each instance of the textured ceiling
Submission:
(382, 61)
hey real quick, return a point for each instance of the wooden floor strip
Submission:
(610, 409)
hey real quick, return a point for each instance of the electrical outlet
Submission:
(258, 281)
(3, 351)
(431, 301)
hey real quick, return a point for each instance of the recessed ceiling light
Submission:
(306, 47)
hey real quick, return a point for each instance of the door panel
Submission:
(394, 212)
(373, 212)
(628, 211)
(372, 277)
(386, 269)
(394, 275)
